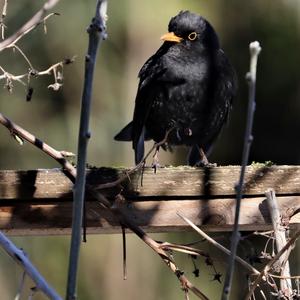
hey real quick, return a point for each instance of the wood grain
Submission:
(40, 201)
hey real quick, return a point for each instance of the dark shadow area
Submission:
(26, 184)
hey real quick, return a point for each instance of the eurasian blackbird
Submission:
(186, 88)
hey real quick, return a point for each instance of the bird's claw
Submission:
(205, 164)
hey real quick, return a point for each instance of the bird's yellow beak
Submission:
(171, 37)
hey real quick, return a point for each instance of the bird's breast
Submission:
(182, 100)
(179, 107)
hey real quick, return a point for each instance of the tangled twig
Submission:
(71, 173)
(269, 265)
(32, 23)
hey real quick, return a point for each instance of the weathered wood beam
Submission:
(40, 201)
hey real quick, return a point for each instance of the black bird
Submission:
(186, 87)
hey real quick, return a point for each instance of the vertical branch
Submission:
(3, 15)
(251, 78)
(123, 219)
(279, 233)
(97, 32)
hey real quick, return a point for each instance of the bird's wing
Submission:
(225, 89)
(149, 86)
(153, 77)
(227, 83)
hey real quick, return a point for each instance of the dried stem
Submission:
(21, 286)
(68, 168)
(279, 233)
(24, 56)
(251, 77)
(183, 249)
(19, 257)
(23, 134)
(35, 20)
(33, 72)
(185, 283)
(284, 277)
(71, 173)
(219, 246)
(3, 15)
(136, 168)
(269, 265)
(4, 10)
(97, 33)
(124, 254)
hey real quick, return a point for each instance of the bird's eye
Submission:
(192, 36)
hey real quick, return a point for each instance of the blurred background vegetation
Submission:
(134, 29)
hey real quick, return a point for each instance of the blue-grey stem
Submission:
(251, 78)
(19, 256)
(97, 33)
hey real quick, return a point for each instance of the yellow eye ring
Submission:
(192, 36)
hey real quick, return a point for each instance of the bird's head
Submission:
(190, 28)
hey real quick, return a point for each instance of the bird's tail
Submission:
(125, 134)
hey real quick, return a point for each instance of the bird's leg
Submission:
(203, 162)
(203, 158)
(155, 163)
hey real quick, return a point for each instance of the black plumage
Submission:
(186, 86)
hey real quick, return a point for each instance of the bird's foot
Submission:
(155, 166)
(155, 162)
(205, 164)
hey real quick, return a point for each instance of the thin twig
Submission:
(19, 257)
(186, 284)
(24, 134)
(280, 238)
(219, 246)
(124, 253)
(183, 249)
(3, 15)
(97, 33)
(21, 286)
(269, 265)
(284, 277)
(136, 168)
(235, 237)
(24, 56)
(71, 173)
(34, 73)
(34, 21)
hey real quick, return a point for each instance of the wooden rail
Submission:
(40, 201)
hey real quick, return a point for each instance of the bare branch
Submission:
(284, 277)
(279, 233)
(3, 15)
(269, 265)
(57, 155)
(28, 267)
(219, 246)
(255, 49)
(71, 173)
(4, 10)
(183, 249)
(97, 33)
(37, 19)
(21, 287)
(137, 167)
(124, 254)
(9, 78)
(24, 56)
